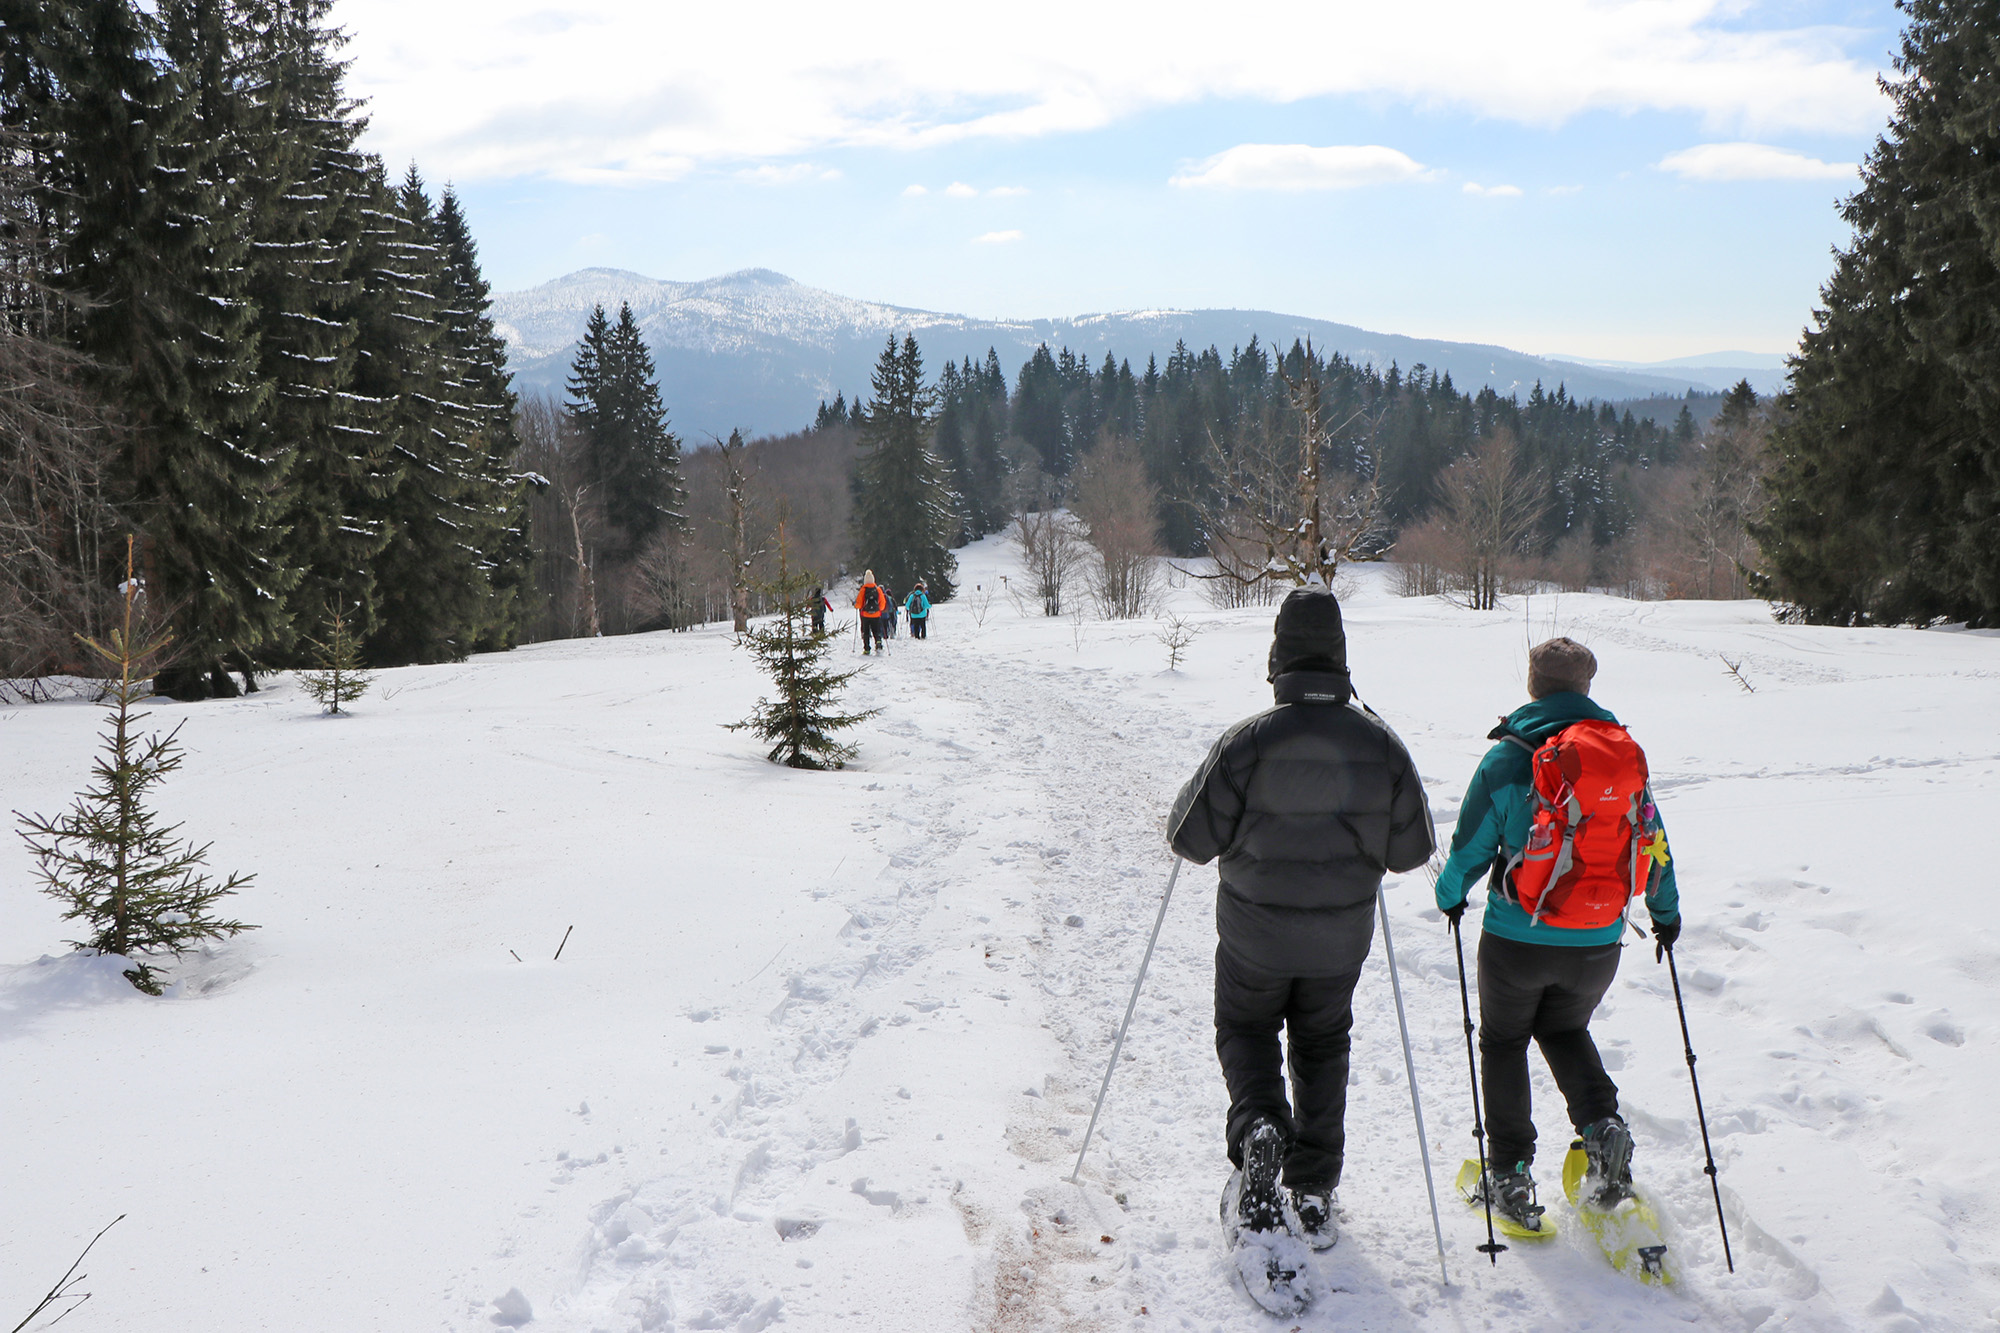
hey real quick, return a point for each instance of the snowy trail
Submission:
(1110, 750)
(995, 741)
(822, 1049)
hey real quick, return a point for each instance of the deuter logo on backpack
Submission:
(1581, 867)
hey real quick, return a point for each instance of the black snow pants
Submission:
(918, 624)
(873, 633)
(1546, 992)
(1317, 1015)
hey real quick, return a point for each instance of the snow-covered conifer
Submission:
(432, 593)
(496, 498)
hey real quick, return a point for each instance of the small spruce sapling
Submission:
(139, 890)
(802, 720)
(1176, 634)
(337, 677)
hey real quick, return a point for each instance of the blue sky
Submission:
(1589, 177)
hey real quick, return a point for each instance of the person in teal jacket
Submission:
(917, 606)
(1537, 980)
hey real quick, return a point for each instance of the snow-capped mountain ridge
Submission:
(758, 350)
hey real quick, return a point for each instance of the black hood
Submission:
(1309, 635)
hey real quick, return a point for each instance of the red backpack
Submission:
(1582, 863)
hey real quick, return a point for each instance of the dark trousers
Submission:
(1316, 1014)
(918, 626)
(872, 632)
(1546, 992)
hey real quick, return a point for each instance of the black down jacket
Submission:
(1308, 805)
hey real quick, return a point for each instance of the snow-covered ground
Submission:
(821, 1047)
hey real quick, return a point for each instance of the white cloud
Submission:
(493, 88)
(960, 190)
(997, 238)
(1751, 162)
(1493, 191)
(1007, 191)
(771, 174)
(914, 191)
(1297, 166)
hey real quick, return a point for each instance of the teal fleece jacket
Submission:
(1493, 825)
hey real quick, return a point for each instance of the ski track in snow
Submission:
(899, 1098)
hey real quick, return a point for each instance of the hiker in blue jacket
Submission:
(918, 607)
(1540, 980)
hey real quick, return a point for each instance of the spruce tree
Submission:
(905, 514)
(432, 592)
(145, 131)
(802, 722)
(138, 889)
(496, 498)
(336, 676)
(1038, 410)
(631, 458)
(1886, 472)
(308, 283)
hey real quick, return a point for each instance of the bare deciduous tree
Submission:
(58, 521)
(1489, 503)
(1708, 511)
(664, 583)
(1119, 507)
(1423, 554)
(565, 521)
(737, 547)
(1053, 549)
(1279, 516)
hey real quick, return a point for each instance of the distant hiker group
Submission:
(1307, 806)
(877, 606)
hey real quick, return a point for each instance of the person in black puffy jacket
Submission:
(1307, 806)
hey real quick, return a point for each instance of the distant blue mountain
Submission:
(759, 351)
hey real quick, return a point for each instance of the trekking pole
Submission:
(1687, 1044)
(1130, 1005)
(1492, 1247)
(1410, 1066)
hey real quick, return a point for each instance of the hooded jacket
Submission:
(1307, 806)
(1493, 825)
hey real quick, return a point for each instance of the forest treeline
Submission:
(1171, 456)
(229, 333)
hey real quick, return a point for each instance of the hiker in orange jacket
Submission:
(873, 604)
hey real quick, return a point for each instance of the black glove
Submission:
(1454, 912)
(1664, 935)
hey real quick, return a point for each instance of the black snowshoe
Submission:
(1313, 1206)
(1607, 1147)
(1269, 1258)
